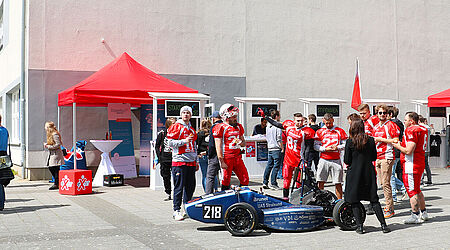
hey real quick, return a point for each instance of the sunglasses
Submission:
(382, 113)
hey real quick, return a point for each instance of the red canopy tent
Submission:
(122, 81)
(441, 99)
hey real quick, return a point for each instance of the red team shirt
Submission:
(415, 162)
(179, 132)
(228, 134)
(330, 137)
(387, 130)
(295, 144)
(370, 123)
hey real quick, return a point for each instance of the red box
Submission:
(75, 181)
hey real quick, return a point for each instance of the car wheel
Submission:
(343, 215)
(240, 219)
(323, 198)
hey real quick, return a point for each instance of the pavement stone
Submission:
(135, 217)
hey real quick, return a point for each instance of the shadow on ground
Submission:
(28, 185)
(18, 200)
(212, 228)
(24, 209)
(139, 182)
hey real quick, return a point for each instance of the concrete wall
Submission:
(308, 49)
(173, 36)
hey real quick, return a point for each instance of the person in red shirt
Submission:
(412, 150)
(182, 137)
(369, 120)
(385, 133)
(229, 136)
(295, 147)
(330, 140)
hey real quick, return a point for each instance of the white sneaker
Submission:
(414, 219)
(178, 216)
(274, 187)
(424, 216)
(183, 212)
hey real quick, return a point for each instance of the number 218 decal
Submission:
(212, 212)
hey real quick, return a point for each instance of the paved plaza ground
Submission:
(135, 217)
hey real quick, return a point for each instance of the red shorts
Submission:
(237, 166)
(412, 183)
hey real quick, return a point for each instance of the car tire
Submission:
(240, 219)
(343, 215)
(323, 198)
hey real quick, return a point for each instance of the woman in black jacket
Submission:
(360, 182)
(202, 150)
(164, 154)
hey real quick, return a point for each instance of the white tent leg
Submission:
(74, 133)
(58, 117)
(153, 167)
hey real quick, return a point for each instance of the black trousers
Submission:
(313, 157)
(358, 213)
(165, 170)
(54, 170)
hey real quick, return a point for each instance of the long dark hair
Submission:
(357, 134)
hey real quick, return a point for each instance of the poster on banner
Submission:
(146, 128)
(122, 157)
(262, 151)
(147, 124)
(250, 149)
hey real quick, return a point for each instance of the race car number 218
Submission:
(212, 212)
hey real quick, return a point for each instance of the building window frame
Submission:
(4, 24)
(14, 132)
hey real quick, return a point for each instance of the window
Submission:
(3, 23)
(15, 118)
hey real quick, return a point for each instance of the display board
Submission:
(265, 107)
(438, 112)
(322, 109)
(172, 108)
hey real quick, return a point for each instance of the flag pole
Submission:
(359, 77)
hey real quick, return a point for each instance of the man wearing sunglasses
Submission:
(369, 120)
(385, 133)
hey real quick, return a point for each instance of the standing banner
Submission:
(146, 134)
(122, 157)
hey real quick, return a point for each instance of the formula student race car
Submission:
(242, 210)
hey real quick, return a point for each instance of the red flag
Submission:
(356, 97)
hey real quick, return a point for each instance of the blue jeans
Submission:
(280, 172)
(396, 184)
(184, 185)
(2, 197)
(273, 162)
(203, 162)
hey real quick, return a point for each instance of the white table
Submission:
(105, 167)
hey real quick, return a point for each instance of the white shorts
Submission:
(326, 166)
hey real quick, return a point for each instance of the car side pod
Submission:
(294, 218)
